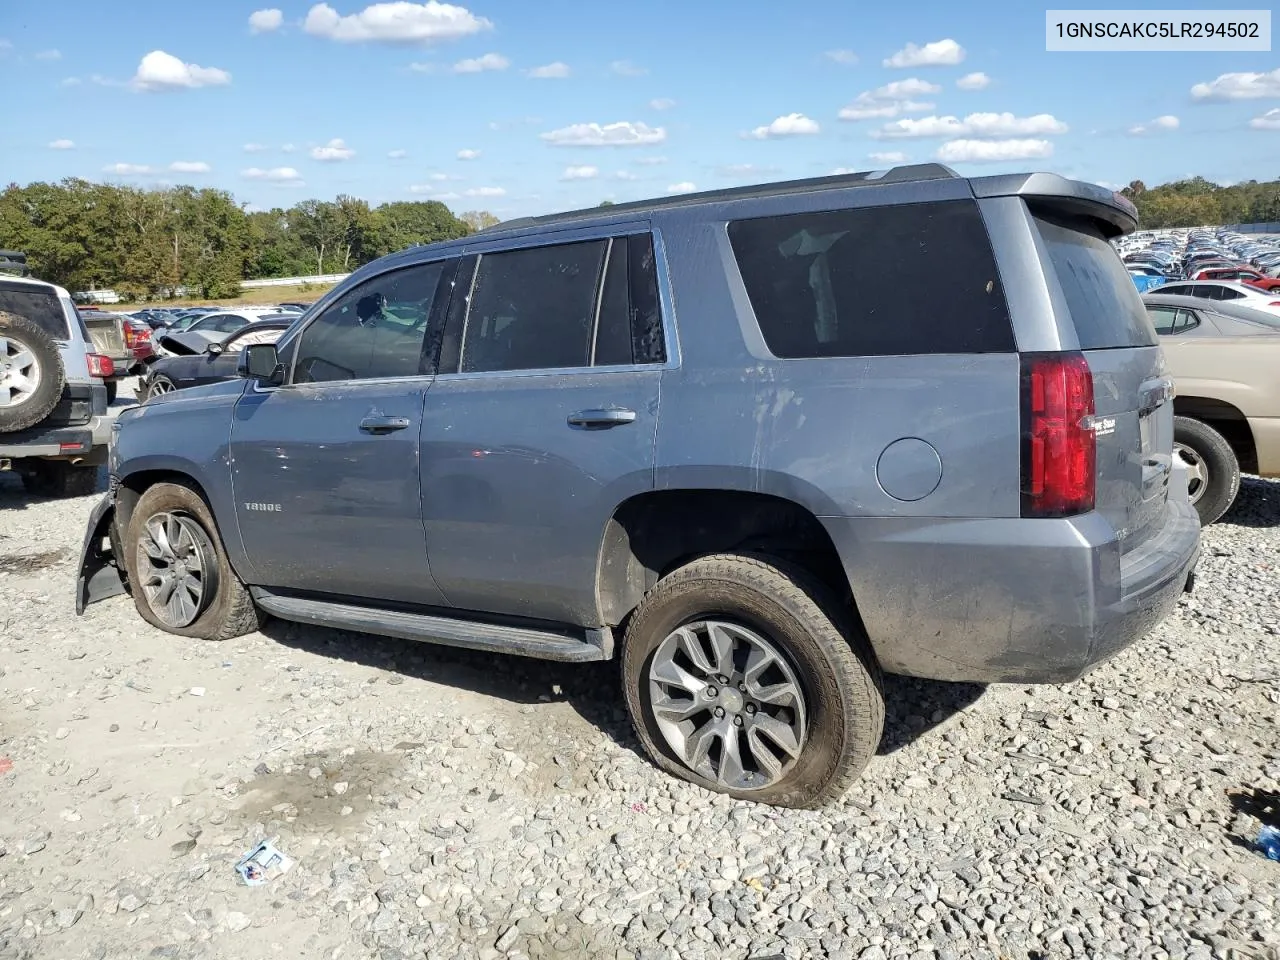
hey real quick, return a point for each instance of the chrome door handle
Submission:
(382, 425)
(609, 417)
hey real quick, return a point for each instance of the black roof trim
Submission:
(868, 178)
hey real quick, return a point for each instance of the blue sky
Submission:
(521, 108)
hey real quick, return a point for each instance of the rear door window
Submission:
(37, 304)
(875, 281)
(1104, 303)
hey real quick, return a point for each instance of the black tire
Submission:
(58, 478)
(113, 387)
(20, 335)
(167, 386)
(1213, 495)
(829, 656)
(228, 610)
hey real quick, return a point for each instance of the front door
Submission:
(326, 467)
(541, 421)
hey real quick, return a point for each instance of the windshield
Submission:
(1104, 303)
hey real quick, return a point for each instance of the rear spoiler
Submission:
(1114, 212)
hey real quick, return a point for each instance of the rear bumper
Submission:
(52, 442)
(1011, 600)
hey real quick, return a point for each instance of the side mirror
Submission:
(259, 361)
(214, 349)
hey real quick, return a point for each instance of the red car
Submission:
(1252, 277)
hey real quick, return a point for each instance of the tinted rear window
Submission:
(874, 281)
(38, 305)
(1104, 303)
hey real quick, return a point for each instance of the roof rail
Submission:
(902, 174)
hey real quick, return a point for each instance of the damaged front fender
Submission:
(100, 576)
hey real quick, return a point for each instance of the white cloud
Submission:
(620, 134)
(418, 67)
(284, 175)
(288, 148)
(163, 71)
(421, 188)
(1239, 86)
(625, 68)
(254, 147)
(625, 175)
(841, 171)
(486, 192)
(442, 177)
(397, 154)
(974, 125)
(974, 81)
(550, 71)
(891, 156)
(580, 173)
(792, 125)
(490, 61)
(991, 151)
(683, 186)
(890, 100)
(333, 151)
(651, 161)
(940, 53)
(49, 55)
(190, 166)
(449, 196)
(661, 103)
(70, 82)
(736, 171)
(128, 169)
(1268, 121)
(846, 57)
(468, 154)
(264, 21)
(396, 22)
(62, 145)
(1167, 122)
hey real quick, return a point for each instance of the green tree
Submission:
(477, 220)
(407, 223)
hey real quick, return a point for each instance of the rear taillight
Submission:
(100, 366)
(1274, 303)
(1059, 447)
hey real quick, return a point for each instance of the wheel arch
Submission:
(655, 532)
(1228, 420)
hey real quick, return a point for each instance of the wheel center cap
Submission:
(731, 700)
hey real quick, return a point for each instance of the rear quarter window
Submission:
(40, 306)
(1105, 307)
(874, 281)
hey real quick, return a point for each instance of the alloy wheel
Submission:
(728, 704)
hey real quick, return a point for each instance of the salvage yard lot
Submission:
(443, 803)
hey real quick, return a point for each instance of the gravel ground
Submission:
(443, 804)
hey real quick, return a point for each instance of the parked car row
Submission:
(1155, 258)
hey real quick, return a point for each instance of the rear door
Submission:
(1132, 396)
(541, 421)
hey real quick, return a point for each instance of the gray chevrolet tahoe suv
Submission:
(759, 445)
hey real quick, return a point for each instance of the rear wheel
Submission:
(181, 579)
(31, 374)
(742, 675)
(1213, 471)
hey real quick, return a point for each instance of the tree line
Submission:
(146, 243)
(1200, 202)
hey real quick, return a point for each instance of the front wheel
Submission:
(742, 675)
(1213, 470)
(160, 385)
(178, 570)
